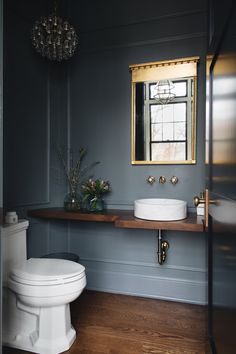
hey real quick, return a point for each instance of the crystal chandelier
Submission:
(53, 37)
(164, 93)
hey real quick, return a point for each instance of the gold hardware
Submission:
(151, 179)
(162, 179)
(174, 180)
(164, 70)
(162, 252)
(163, 247)
(204, 199)
(197, 200)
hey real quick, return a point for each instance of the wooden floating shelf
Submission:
(61, 214)
(120, 218)
(191, 223)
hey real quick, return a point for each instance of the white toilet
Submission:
(36, 296)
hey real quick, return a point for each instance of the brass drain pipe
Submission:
(162, 248)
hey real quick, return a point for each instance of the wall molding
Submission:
(68, 237)
(68, 86)
(45, 200)
(48, 134)
(147, 286)
(147, 20)
(187, 285)
(143, 264)
(145, 43)
(33, 227)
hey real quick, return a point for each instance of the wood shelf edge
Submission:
(191, 223)
(61, 214)
(121, 219)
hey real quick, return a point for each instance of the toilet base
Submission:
(45, 330)
(25, 343)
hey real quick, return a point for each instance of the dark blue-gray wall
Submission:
(1, 160)
(87, 102)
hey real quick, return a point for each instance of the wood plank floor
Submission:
(120, 324)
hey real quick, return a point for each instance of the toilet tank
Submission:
(13, 245)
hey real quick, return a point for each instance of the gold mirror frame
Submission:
(164, 70)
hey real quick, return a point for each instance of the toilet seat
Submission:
(45, 277)
(47, 272)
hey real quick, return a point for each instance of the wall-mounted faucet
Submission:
(162, 180)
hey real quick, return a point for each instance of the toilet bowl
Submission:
(36, 297)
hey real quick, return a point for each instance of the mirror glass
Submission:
(164, 112)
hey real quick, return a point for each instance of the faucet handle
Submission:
(162, 179)
(151, 179)
(174, 180)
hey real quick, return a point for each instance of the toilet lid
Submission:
(46, 271)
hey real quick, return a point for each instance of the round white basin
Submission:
(160, 209)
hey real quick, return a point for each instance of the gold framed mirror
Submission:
(163, 120)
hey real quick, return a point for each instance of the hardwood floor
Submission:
(120, 324)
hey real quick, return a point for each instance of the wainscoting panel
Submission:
(26, 118)
(58, 237)
(125, 261)
(147, 286)
(38, 238)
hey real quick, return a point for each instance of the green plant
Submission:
(73, 167)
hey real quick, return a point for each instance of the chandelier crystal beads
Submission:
(54, 38)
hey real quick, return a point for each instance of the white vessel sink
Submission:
(160, 209)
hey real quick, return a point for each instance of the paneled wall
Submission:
(87, 102)
(125, 260)
(36, 122)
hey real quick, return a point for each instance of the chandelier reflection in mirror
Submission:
(54, 38)
(164, 92)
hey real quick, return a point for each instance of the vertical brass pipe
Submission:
(159, 248)
(162, 248)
